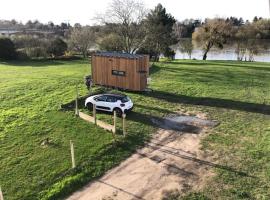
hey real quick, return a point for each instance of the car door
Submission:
(101, 103)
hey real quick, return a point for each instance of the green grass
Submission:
(236, 94)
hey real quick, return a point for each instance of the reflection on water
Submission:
(226, 54)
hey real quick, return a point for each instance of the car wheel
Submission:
(90, 106)
(118, 112)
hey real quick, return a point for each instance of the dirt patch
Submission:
(171, 161)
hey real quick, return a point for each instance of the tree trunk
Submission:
(156, 58)
(208, 47)
(205, 55)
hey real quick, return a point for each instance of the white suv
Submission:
(110, 102)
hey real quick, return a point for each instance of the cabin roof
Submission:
(119, 55)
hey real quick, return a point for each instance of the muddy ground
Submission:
(171, 161)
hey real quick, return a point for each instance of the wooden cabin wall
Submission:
(147, 64)
(102, 67)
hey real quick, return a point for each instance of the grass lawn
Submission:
(236, 94)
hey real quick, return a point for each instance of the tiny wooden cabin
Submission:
(120, 70)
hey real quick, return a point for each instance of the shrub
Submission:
(21, 55)
(7, 49)
(169, 53)
(32, 46)
(57, 47)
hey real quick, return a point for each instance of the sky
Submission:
(84, 11)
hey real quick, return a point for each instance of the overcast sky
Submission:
(83, 11)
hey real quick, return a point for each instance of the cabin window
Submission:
(118, 73)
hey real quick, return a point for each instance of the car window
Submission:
(101, 98)
(111, 99)
(125, 99)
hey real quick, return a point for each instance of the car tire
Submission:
(90, 106)
(118, 112)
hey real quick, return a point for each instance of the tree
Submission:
(184, 29)
(57, 47)
(32, 46)
(77, 25)
(215, 32)
(7, 49)
(159, 31)
(111, 42)
(82, 39)
(249, 39)
(186, 46)
(235, 21)
(169, 53)
(126, 17)
(262, 28)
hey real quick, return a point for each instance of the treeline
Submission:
(248, 38)
(127, 26)
(13, 25)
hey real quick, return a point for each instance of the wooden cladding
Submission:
(126, 72)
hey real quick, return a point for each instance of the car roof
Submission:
(114, 95)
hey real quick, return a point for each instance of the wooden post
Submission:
(72, 154)
(95, 113)
(76, 102)
(114, 122)
(124, 124)
(1, 194)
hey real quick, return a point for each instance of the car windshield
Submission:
(125, 99)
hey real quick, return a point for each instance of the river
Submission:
(225, 54)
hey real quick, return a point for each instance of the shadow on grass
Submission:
(246, 65)
(211, 102)
(154, 69)
(41, 62)
(161, 110)
(33, 63)
(122, 190)
(200, 161)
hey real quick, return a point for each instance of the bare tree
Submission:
(251, 39)
(127, 17)
(215, 32)
(186, 46)
(82, 39)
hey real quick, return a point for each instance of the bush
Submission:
(169, 53)
(7, 49)
(36, 52)
(57, 47)
(31, 46)
(21, 55)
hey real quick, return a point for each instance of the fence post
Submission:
(76, 102)
(114, 122)
(95, 114)
(72, 154)
(124, 124)
(1, 194)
